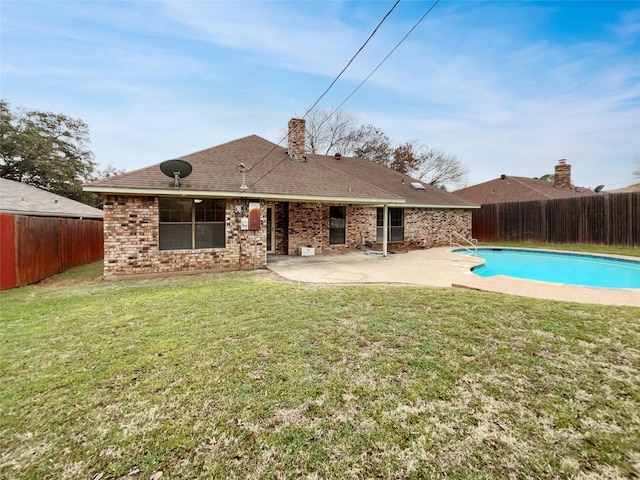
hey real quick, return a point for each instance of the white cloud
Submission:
(484, 81)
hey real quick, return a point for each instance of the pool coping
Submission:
(440, 267)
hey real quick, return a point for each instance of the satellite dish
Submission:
(599, 188)
(176, 169)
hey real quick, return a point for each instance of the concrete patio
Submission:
(434, 267)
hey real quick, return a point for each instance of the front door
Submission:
(271, 229)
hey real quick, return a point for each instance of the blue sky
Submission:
(509, 87)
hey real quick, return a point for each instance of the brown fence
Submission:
(607, 219)
(44, 246)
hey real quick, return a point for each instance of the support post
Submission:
(385, 229)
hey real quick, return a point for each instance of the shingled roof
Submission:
(22, 199)
(517, 189)
(629, 189)
(271, 173)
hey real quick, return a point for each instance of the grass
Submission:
(241, 375)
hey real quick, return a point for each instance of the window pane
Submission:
(210, 210)
(395, 226)
(177, 223)
(175, 236)
(396, 234)
(336, 237)
(337, 225)
(395, 217)
(210, 235)
(175, 210)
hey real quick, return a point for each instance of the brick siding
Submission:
(131, 227)
(131, 241)
(309, 227)
(431, 227)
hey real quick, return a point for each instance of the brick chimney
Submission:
(296, 138)
(562, 175)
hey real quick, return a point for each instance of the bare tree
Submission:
(636, 173)
(329, 131)
(440, 169)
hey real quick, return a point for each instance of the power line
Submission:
(388, 55)
(352, 59)
(358, 87)
(329, 87)
(380, 64)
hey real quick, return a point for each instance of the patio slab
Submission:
(435, 267)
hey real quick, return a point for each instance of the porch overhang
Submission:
(192, 193)
(411, 205)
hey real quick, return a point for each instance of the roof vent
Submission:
(503, 176)
(337, 156)
(417, 186)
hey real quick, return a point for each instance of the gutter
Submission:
(158, 192)
(423, 205)
(36, 213)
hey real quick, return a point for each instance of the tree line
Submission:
(49, 151)
(336, 131)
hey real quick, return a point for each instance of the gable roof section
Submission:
(393, 181)
(517, 189)
(22, 199)
(629, 189)
(272, 174)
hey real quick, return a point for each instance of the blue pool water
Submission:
(567, 268)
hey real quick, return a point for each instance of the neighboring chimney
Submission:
(296, 138)
(562, 176)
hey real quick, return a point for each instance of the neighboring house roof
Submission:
(630, 189)
(22, 199)
(518, 189)
(272, 174)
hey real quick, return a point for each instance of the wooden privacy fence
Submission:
(606, 219)
(33, 248)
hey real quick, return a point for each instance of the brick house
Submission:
(506, 188)
(249, 198)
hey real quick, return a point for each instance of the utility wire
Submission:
(337, 109)
(327, 89)
(385, 58)
(429, 10)
(352, 59)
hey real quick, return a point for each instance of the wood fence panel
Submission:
(609, 219)
(7, 252)
(483, 222)
(82, 242)
(45, 246)
(626, 233)
(531, 215)
(37, 248)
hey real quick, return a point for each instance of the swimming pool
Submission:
(565, 268)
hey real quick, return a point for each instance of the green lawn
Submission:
(242, 375)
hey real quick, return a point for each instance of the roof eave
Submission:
(429, 205)
(178, 192)
(37, 213)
